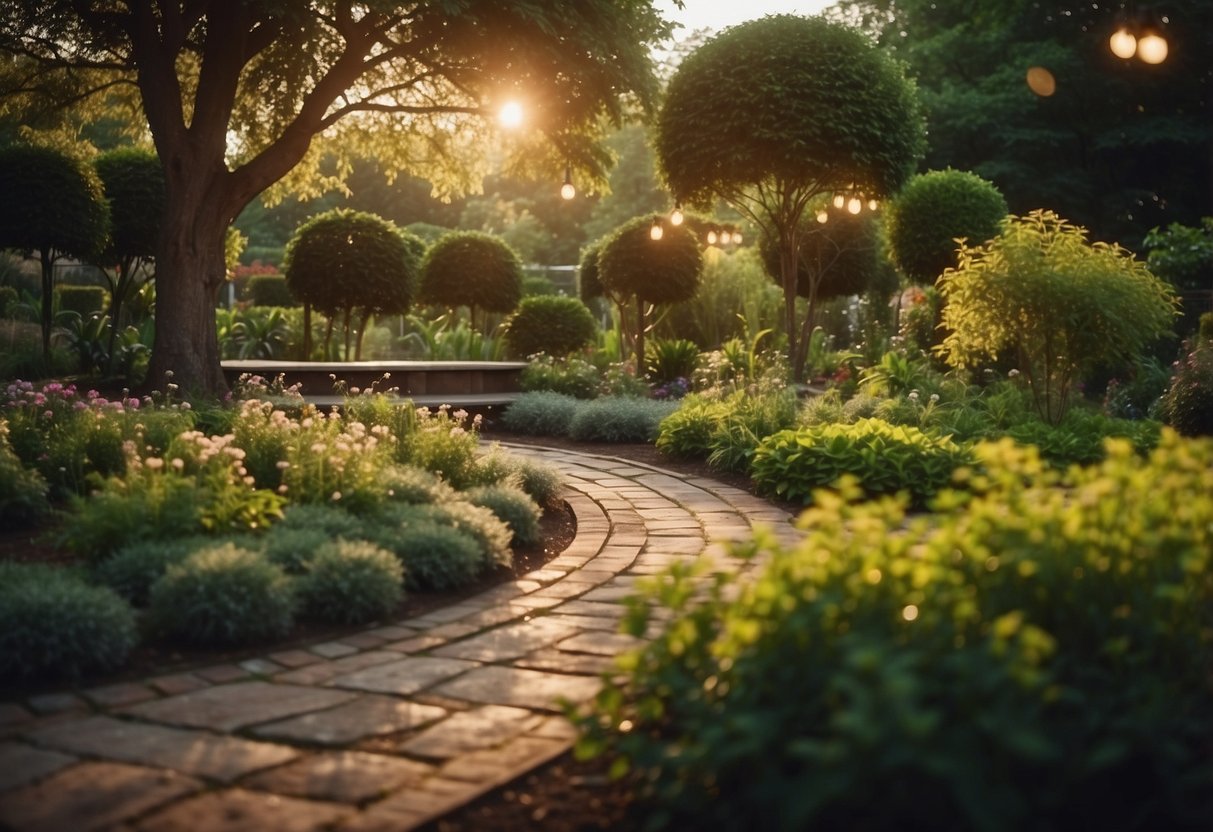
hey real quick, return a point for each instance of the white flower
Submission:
(178, 463)
(1012, 373)
(154, 462)
(934, 398)
(336, 496)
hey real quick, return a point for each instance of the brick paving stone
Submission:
(600, 644)
(410, 807)
(587, 622)
(238, 810)
(229, 707)
(567, 588)
(547, 574)
(556, 728)
(126, 693)
(491, 618)
(193, 752)
(533, 602)
(417, 644)
(559, 661)
(366, 716)
(333, 649)
(392, 632)
(519, 687)
(55, 703)
(341, 776)
(91, 796)
(444, 615)
(598, 609)
(609, 593)
(223, 673)
(459, 629)
(294, 658)
(508, 642)
(320, 672)
(405, 676)
(471, 730)
(21, 764)
(178, 683)
(11, 713)
(260, 667)
(364, 641)
(500, 765)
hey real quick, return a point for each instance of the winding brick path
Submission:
(385, 729)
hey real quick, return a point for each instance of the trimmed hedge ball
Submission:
(512, 506)
(352, 582)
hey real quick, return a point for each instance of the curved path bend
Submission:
(385, 729)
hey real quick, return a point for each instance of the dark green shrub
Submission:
(125, 511)
(328, 519)
(222, 595)
(83, 300)
(1206, 328)
(1137, 395)
(687, 432)
(550, 324)
(1079, 439)
(870, 677)
(351, 582)
(52, 624)
(491, 536)
(934, 208)
(270, 290)
(619, 419)
(22, 490)
(512, 506)
(133, 569)
(747, 420)
(543, 413)
(570, 376)
(1188, 404)
(435, 556)
(292, 547)
(472, 269)
(882, 458)
(8, 301)
(667, 359)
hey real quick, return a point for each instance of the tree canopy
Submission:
(245, 95)
(472, 269)
(775, 113)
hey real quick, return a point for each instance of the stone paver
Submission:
(388, 728)
(194, 752)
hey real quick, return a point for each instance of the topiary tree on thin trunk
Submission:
(53, 206)
(350, 263)
(472, 269)
(551, 324)
(775, 114)
(631, 264)
(134, 188)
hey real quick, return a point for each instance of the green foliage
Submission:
(549, 324)
(748, 420)
(329, 520)
(1188, 403)
(835, 259)
(898, 373)
(409, 484)
(881, 458)
(589, 283)
(1182, 255)
(133, 569)
(540, 414)
(667, 359)
(1205, 330)
(568, 376)
(444, 444)
(512, 506)
(734, 291)
(270, 290)
(83, 300)
(932, 210)
(541, 481)
(255, 332)
(871, 675)
(687, 432)
(53, 625)
(351, 582)
(473, 269)
(435, 556)
(619, 419)
(61, 207)
(1041, 293)
(133, 179)
(293, 547)
(9, 298)
(221, 596)
(22, 490)
(1080, 438)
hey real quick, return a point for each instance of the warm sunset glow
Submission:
(510, 115)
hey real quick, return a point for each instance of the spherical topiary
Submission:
(550, 324)
(473, 269)
(512, 506)
(52, 624)
(223, 595)
(838, 256)
(133, 569)
(935, 208)
(352, 582)
(631, 263)
(589, 284)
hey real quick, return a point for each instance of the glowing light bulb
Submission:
(822, 216)
(873, 205)
(656, 232)
(736, 238)
(676, 216)
(510, 115)
(712, 238)
(1152, 47)
(855, 205)
(567, 191)
(725, 238)
(839, 200)
(1122, 43)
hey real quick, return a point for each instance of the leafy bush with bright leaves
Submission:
(619, 419)
(512, 506)
(882, 459)
(133, 569)
(221, 596)
(746, 422)
(687, 432)
(870, 676)
(351, 582)
(541, 413)
(1188, 403)
(571, 376)
(1079, 439)
(54, 625)
(550, 324)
